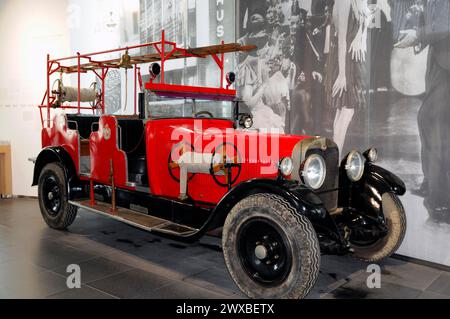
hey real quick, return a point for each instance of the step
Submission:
(137, 219)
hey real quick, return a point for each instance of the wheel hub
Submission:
(261, 252)
(52, 195)
(264, 251)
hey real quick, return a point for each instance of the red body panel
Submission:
(59, 135)
(104, 151)
(206, 135)
(256, 152)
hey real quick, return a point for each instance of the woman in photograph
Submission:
(271, 101)
(346, 75)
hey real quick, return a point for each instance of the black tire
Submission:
(395, 218)
(53, 201)
(293, 237)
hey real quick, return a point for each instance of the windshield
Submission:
(175, 108)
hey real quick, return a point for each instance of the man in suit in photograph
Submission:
(434, 114)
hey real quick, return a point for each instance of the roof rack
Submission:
(163, 51)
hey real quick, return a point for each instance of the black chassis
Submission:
(360, 202)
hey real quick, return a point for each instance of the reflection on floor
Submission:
(118, 261)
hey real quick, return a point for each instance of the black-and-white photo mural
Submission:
(362, 72)
(283, 82)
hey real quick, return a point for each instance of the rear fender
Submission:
(51, 155)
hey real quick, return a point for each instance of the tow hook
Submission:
(347, 233)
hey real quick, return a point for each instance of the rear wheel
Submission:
(53, 202)
(395, 219)
(270, 250)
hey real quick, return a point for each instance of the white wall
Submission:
(29, 30)
(98, 25)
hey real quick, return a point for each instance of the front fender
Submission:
(383, 180)
(302, 198)
(365, 195)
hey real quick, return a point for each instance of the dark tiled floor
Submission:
(118, 261)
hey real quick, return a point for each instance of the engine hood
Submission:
(268, 148)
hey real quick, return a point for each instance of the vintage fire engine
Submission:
(187, 162)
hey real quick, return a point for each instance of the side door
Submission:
(107, 160)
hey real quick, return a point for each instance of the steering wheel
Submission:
(202, 113)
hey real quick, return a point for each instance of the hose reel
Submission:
(62, 94)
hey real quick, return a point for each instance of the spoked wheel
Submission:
(395, 222)
(270, 250)
(53, 202)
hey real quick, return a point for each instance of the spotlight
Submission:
(231, 78)
(154, 69)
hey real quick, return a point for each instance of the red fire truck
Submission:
(187, 161)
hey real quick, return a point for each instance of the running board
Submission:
(137, 219)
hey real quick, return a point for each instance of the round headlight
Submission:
(355, 166)
(371, 154)
(314, 171)
(286, 166)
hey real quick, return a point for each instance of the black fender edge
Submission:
(302, 198)
(384, 180)
(366, 194)
(50, 155)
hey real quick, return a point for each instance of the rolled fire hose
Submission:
(86, 95)
(70, 94)
(193, 162)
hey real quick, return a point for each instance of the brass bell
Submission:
(125, 61)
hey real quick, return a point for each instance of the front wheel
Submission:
(395, 219)
(270, 250)
(52, 193)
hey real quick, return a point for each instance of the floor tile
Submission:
(415, 276)
(441, 285)
(432, 295)
(85, 292)
(214, 279)
(97, 268)
(131, 283)
(56, 255)
(357, 289)
(42, 285)
(18, 272)
(181, 291)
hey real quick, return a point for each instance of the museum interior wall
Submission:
(25, 43)
(377, 95)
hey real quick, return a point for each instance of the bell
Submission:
(125, 61)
